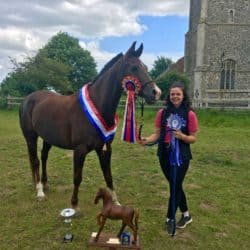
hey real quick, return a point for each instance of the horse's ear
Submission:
(138, 52)
(131, 50)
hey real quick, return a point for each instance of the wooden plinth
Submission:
(104, 238)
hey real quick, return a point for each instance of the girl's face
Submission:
(176, 96)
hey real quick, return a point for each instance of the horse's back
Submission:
(46, 113)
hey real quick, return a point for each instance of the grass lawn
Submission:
(217, 189)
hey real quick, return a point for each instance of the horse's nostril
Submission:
(154, 92)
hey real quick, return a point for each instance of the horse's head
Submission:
(102, 193)
(136, 73)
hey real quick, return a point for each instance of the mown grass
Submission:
(217, 188)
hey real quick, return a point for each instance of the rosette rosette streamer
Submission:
(132, 87)
(175, 122)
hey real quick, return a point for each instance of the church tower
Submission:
(217, 53)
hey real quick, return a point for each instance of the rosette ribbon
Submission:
(175, 122)
(106, 132)
(175, 157)
(131, 86)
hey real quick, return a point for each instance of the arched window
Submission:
(247, 4)
(227, 78)
(231, 16)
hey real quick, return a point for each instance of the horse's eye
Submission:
(134, 69)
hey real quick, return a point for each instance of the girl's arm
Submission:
(191, 138)
(152, 138)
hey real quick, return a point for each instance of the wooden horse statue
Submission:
(128, 215)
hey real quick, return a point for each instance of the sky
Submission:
(103, 27)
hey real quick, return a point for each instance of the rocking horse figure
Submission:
(83, 121)
(128, 215)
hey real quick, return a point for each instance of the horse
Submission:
(128, 215)
(64, 121)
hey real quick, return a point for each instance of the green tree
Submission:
(160, 65)
(66, 49)
(167, 79)
(62, 65)
(34, 74)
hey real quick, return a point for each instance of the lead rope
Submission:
(142, 102)
(142, 105)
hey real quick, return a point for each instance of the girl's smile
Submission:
(176, 96)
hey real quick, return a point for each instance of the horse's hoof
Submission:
(46, 186)
(77, 209)
(41, 197)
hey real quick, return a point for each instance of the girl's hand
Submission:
(179, 135)
(143, 141)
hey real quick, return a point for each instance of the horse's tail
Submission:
(136, 218)
(25, 113)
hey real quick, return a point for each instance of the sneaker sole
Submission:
(188, 222)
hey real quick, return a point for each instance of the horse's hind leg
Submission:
(44, 157)
(31, 140)
(105, 162)
(121, 230)
(134, 228)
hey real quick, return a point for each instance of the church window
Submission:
(231, 16)
(227, 78)
(247, 4)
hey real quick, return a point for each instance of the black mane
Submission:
(108, 66)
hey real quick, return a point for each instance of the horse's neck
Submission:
(106, 93)
(107, 201)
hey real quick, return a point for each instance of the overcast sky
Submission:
(104, 27)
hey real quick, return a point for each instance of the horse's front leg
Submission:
(100, 228)
(99, 218)
(79, 158)
(134, 229)
(105, 162)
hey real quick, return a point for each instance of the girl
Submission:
(175, 129)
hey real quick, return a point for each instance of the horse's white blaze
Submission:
(39, 188)
(114, 197)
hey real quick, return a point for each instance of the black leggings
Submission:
(180, 198)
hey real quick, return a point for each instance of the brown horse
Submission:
(62, 121)
(128, 215)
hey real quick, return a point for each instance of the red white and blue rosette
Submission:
(132, 87)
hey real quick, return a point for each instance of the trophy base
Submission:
(68, 238)
(107, 240)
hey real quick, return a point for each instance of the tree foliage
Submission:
(160, 65)
(66, 49)
(167, 79)
(62, 65)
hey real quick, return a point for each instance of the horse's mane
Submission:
(108, 66)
